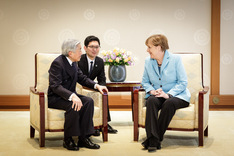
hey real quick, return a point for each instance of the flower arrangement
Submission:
(117, 56)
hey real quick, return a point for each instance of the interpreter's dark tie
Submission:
(91, 68)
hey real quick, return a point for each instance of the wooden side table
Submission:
(127, 86)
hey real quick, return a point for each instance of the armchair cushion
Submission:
(55, 118)
(97, 98)
(183, 118)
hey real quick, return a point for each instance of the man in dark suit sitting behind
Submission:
(93, 66)
(63, 76)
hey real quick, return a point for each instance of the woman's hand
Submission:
(154, 92)
(159, 93)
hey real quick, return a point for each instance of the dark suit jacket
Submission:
(63, 78)
(98, 69)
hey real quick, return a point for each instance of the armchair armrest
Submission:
(141, 89)
(33, 89)
(37, 108)
(136, 112)
(101, 101)
(201, 98)
(203, 110)
(205, 90)
(89, 89)
(96, 96)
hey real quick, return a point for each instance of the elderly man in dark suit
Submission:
(63, 76)
(93, 66)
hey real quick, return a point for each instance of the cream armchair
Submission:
(45, 119)
(192, 118)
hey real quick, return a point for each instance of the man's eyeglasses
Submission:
(94, 47)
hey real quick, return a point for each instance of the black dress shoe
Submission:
(70, 144)
(159, 146)
(153, 144)
(88, 144)
(152, 149)
(111, 130)
(96, 132)
(145, 144)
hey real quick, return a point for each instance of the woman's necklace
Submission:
(159, 64)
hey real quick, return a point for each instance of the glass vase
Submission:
(117, 73)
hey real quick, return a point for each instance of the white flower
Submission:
(129, 53)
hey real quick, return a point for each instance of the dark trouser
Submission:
(77, 123)
(156, 125)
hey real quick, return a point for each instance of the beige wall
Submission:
(227, 47)
(31, 26)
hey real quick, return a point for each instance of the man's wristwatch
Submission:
(169, 95)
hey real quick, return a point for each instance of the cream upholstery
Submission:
(187, 118)
(97, 97)
(45, 119)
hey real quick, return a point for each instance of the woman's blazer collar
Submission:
(164, 63)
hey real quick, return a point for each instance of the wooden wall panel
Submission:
(215, 46)
(21, 102)
(216, 100)
(14, 102)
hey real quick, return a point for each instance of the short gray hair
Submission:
(69, 45)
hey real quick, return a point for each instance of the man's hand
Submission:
(77, 103)
(101, 88)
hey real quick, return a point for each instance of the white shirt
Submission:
(70, 62)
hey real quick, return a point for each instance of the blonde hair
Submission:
(158, 39)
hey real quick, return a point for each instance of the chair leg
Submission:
(135, 115)
(206, 131)
(42, 138)
(105, 133)
(135, 126)
(200, 137)
(136, 132)
(32, 132)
